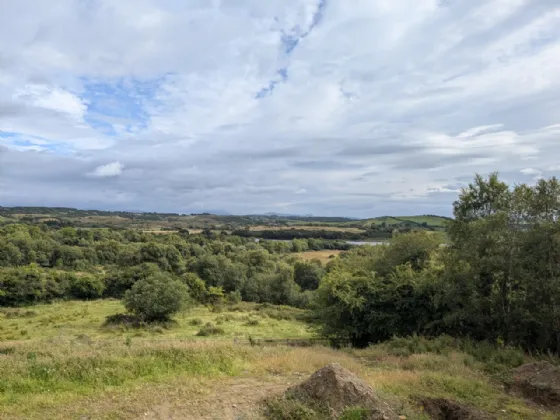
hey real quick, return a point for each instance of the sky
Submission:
(355, 108)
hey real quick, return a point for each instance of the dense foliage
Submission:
(497, 280)
(39, 263)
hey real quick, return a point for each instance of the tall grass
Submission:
(82, 368)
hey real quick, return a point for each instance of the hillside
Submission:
(429, 220)
(174, 221)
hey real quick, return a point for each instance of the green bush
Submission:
(196, 322)
(156, 298)
(197, 288)
(86, 287)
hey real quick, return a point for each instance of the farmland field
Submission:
(324, 256)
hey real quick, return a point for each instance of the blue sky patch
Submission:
(120, 103)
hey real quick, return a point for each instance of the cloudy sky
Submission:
(330, 107)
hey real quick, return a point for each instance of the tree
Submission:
(118, 281)
(156, 298)
(197, 288)
(308, 274)
(86, 287)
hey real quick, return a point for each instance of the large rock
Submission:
(444, 409)
(539, 382)
(339, 388)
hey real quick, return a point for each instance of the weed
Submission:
(196, 322)
(289, 408)
(355, 413)
(225, 318)
(210, 329)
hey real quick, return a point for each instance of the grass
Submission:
(324, 256)
(85, 319)
(116, 378)
(67, 366)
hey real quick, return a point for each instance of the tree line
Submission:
(41, 264)
(497, 278)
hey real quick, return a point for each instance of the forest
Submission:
(494, 276)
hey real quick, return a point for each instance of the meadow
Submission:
(85, 320)
(324, 256)
(89, 373)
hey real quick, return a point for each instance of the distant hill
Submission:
(429, 220)
(174, 221)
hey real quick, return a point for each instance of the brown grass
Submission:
(323, 256)
(256, 373)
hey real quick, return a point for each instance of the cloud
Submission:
(108, 170)
(243, 105)
(530, 171)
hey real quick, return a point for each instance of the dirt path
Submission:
(236, 399)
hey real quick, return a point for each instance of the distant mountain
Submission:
(286, 215)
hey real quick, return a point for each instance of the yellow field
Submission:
(324, 256)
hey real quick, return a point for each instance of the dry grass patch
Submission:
(324, 256)
(302, 360)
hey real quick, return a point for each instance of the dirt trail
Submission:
(236, 399)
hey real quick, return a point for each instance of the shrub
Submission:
(86, 287)
(210, 329)
(225, 318)
(197, 288)
(233, 298)
(156, 298)
(125, 320)
(119, 281)
(196, 321)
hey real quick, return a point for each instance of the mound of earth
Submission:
(338, 388)
(443, 409)
(539, 382)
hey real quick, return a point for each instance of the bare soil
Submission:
(444, 409)
(540, 382)
(339, 388)
(237, 400)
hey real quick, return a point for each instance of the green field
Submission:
(431, 221)
(84, 320)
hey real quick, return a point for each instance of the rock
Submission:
(339, 388)
(443, 409)
(539, 382)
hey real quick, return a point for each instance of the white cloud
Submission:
(530, 171)
(367, 109)
(108, 170)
